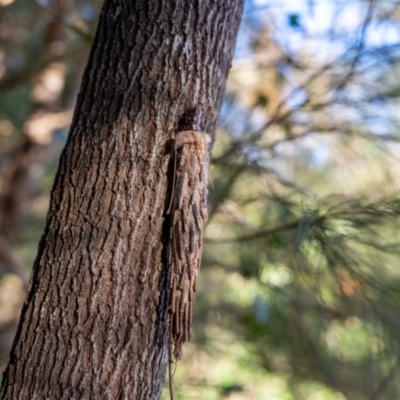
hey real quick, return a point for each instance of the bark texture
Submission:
(94, 324)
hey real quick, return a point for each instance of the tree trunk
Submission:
(94, 324)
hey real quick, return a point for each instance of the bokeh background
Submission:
(299, 293)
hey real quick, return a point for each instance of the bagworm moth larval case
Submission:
(188, 211)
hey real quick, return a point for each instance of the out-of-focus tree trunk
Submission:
(36, 143)
(94, 324)
(16, 176)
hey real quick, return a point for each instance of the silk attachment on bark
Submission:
(188, 211)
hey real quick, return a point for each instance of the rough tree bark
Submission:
(94, 324)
